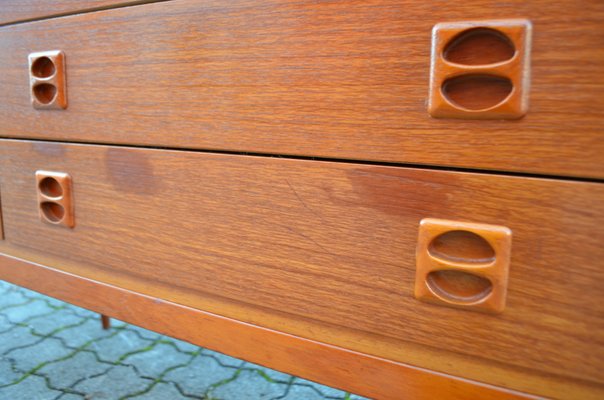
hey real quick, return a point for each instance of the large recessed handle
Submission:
(480, 69)
(463, 265)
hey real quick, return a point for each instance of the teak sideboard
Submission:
(399, 198)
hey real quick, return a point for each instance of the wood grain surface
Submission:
(326, 251)
(12, 11)
(345, 369)
(344, 79)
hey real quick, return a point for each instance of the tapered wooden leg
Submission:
(105, 321)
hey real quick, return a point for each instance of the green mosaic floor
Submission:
(53, 350)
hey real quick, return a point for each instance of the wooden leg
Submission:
(105, 321)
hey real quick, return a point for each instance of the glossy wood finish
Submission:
(345, 369)
(12, 11)
(328, 79)
(326, 251)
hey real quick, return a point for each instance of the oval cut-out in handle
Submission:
(459, 286)
(462, 246)
(479, 46)
(477, 92)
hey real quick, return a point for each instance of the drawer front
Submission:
(333, 80)
(326, 251)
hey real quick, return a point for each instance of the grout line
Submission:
(323, 159)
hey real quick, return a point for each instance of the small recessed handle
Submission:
(55, 198)
(47, 82)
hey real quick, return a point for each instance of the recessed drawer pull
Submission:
(47, 80)
(480, 70)
(463, 264)
(55, 198)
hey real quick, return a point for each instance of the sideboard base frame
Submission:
(335, 366)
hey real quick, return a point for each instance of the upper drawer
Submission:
(327, 251)
(336, 80)
(25, 10)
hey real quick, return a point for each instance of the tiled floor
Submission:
(53, 350)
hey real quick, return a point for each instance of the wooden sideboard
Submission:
(266, 179)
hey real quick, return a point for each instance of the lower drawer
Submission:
(327, 251)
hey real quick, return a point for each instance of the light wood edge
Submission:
(348, 370)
